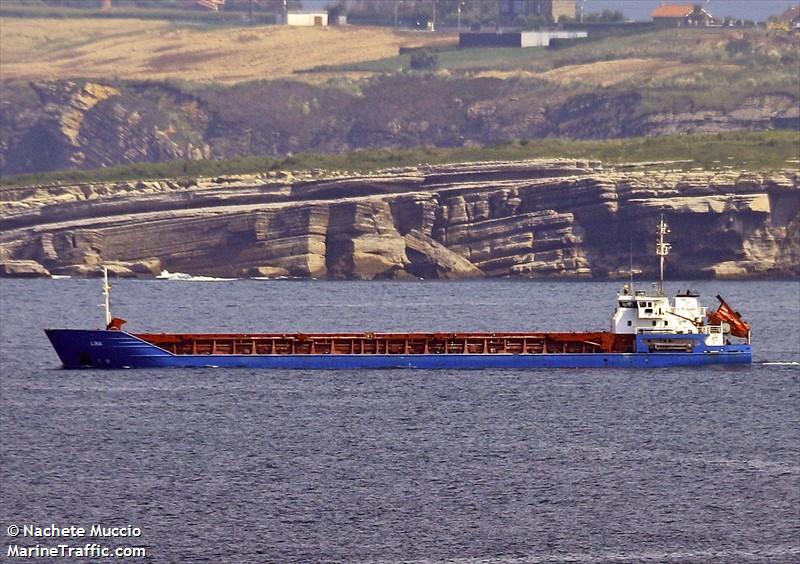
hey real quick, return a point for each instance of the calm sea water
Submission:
(679, 465)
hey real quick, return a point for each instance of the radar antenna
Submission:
(662, 250)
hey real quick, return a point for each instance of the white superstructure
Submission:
(640, 312)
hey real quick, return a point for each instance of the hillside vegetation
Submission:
(88, 93)
(746, 150)
(715, 66)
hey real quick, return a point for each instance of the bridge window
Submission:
(629, 323)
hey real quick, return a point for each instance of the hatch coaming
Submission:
(391, 343)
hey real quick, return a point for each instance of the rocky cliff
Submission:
(82, 124)
(530, 219)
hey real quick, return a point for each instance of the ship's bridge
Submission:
(651, 312)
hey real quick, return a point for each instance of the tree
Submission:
(606, 16)
(697, 16)
(480, 11)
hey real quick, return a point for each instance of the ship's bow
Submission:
(79, 348)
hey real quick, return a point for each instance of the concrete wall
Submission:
(515, 39)
(542, 38)
(478, 39)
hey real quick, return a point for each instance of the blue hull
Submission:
(79, 348)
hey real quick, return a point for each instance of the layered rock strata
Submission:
(558, 218)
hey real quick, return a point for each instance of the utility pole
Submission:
(460, 2)
(396, 4)
(433, 21)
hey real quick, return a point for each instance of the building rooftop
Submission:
(210, 4)
(673, 11)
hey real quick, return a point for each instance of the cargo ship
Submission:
(648, 329)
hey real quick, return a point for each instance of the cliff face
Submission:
(531, 219)
(78, 124)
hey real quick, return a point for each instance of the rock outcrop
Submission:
(22, 269)
(558, 218)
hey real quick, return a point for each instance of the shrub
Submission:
(736, 46)
(424, 60)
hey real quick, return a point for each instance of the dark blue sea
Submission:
(238, 466)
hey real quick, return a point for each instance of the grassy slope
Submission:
(747, 150)
(676, 69)
(684, 44)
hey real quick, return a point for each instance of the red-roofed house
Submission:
(682, 14)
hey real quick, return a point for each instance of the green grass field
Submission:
(703, 45)
(742, 150)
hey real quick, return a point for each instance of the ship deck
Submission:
(390, 343)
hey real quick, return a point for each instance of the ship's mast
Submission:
(107, 295)
(662, 250)
(630, 262)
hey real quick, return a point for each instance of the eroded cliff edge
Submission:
(559, 218)
(59, 125)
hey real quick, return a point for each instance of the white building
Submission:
(542, 38)
(307, 18)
